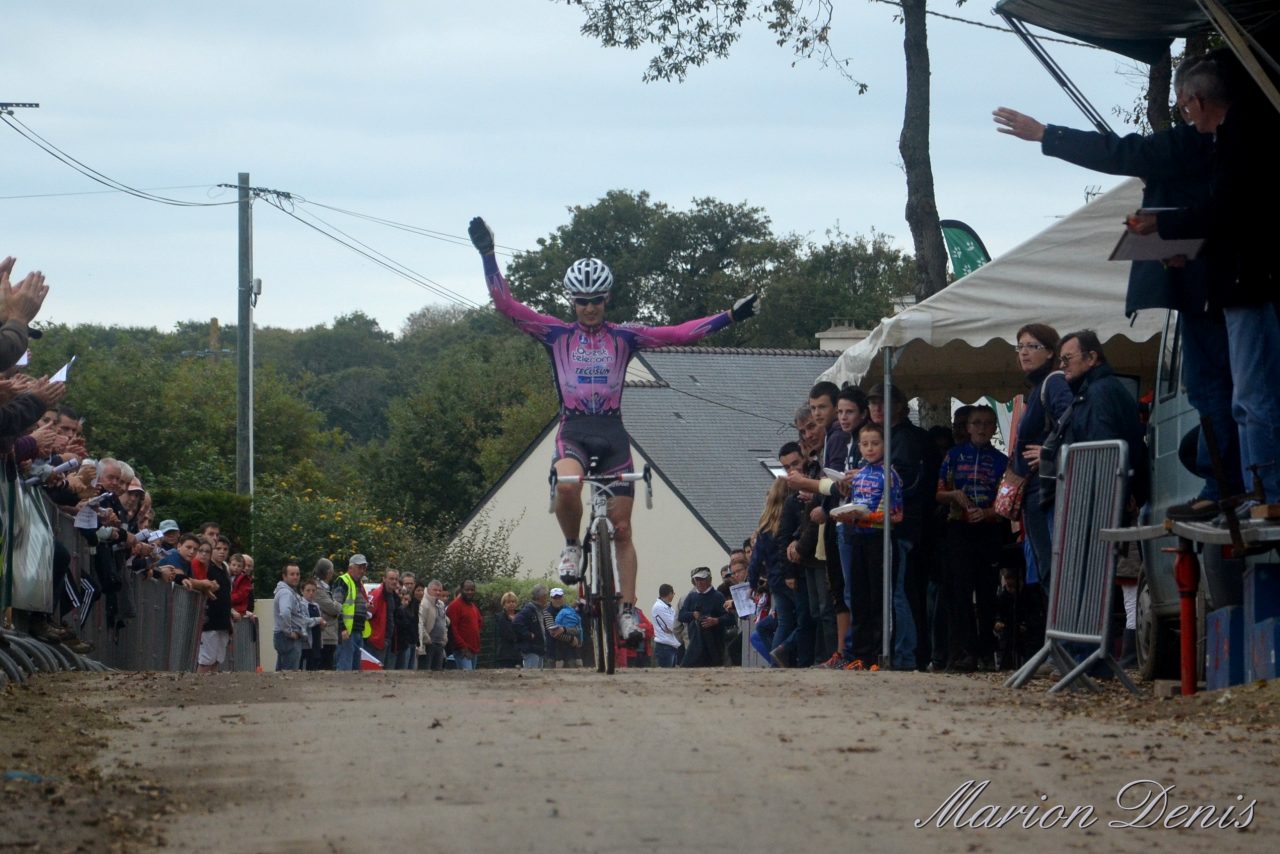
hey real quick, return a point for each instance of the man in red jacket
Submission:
(464, 618)
(382, 611)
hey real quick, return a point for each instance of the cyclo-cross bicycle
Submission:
(599, 586)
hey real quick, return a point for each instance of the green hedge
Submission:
(191, 508)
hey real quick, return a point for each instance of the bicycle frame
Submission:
(602, 488)
(594, 587)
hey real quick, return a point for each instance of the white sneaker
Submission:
(628, 626)
(570, 560)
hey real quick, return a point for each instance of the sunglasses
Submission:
(588, 300)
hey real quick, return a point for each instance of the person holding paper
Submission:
(1216, 97)
(1175, 166)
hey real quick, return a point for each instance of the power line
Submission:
(998, 29)
(278, 199)
(457, 239)
(727, 406)
(106, 192)
(89, 172)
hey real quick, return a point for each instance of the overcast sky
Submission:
(428, 114)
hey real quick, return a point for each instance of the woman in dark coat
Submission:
(1047, 400)
(508, 654)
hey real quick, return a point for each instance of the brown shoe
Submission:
(78, 646)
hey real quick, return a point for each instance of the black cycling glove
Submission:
(481, 236)
(743, 308)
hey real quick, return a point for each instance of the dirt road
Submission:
(648, 760)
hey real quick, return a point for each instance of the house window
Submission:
(774, 467)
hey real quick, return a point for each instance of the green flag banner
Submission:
(964, 246)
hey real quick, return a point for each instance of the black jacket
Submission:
(1240, 236)
(530, 636)
(1036, 423)
(706, 646)
(1104, 409)
(508, 642)
(916, 460)
(1176, 166)
(793, 515)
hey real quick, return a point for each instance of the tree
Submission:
(688, 33)
(431, 465)
(669, 265)
(855, 279)
(674, 265)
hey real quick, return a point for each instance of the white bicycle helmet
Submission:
(588, 277)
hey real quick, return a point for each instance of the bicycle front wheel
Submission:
(606, 611)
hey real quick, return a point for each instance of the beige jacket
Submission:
(431, 620)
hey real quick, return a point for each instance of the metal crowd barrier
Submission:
(750, 657)
(1090, 496)
(243, 655)
(163, 631)
(163, 635)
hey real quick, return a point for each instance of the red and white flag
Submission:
(368, 661)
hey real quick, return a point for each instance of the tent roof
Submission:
(1140, 29)
(958, 342)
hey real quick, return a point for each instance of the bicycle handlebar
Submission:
(605, 481)
(627, 477)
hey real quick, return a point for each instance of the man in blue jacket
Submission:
(703, 612)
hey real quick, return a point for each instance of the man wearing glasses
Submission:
(1103, 407)
(589, 358)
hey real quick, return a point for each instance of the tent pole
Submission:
(886, 504)
(1239, 42)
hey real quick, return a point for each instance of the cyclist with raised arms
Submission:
(589, 359)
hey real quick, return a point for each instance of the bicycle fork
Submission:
(596, 561)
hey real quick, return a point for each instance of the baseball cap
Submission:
(357, 560)
(877, 392)
(556, 591)
(168, 525)
(700, 572)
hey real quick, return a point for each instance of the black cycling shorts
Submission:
(582, 437)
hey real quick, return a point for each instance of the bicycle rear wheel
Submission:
(607, 610)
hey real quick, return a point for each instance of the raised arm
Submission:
(527, 320)
(648, 337)
(1177, 153)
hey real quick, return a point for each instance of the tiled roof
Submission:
(711, 416)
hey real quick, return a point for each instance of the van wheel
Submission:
(1157, 639)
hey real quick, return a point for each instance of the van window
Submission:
(1171, 357)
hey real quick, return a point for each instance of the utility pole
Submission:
(244, 345)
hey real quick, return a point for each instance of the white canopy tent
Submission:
(959, 342)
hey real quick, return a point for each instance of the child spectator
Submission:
(241, 585)
(570, 640)
(218, 616)
(1013, 612)
(865, 515)
(311, 649)
(967, 482)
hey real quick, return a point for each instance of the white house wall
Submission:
(669, 539)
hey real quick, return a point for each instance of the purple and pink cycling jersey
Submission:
(590, 366)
